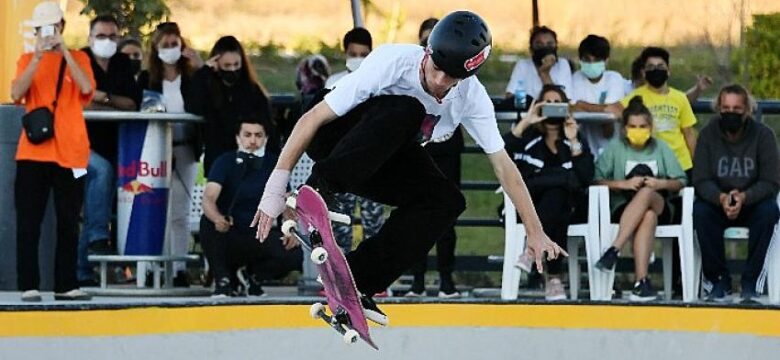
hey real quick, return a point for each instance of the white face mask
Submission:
(354, 63)
(103, 48)
(170, 56)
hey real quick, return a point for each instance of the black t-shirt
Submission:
(239, 176)
(118, 80)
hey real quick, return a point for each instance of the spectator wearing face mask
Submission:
(226, 91)
(736, 177)
(133, 49)
(594, 87)
(235, 186)
(357, 45)
(641, 172)
(544, 67)
(117, 90)
(171, 64)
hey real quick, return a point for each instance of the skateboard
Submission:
(346, 312)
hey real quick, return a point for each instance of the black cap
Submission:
(460, 43)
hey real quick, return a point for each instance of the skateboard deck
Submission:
(346, 312)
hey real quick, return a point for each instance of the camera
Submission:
(555, 110)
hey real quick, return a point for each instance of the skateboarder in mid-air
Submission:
(366, 136)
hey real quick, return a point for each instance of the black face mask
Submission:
(554, 121)
(135, 66)
(730, 122)
(229, 77)
(541, 53)
(656, 78)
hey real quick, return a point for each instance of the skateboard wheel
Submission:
(351, 336)
(315, 310)
(287, 226)
(319, 255)
(291, 202)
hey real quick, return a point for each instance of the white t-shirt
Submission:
(609, 90)
(395, 70)
(334, 78)
(526, 71)
(174, 103)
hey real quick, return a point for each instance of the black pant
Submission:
(34, 181)
(226, 252)
(448, 161)
(709, 222)
(554, 206)
(372, 152)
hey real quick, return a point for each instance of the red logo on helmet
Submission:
(477, 60)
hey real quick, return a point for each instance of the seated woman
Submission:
(640, 171)
(235, 186)
(557, 166)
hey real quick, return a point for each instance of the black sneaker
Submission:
(254, 288)
(222, 288)
(749, 294)
(182, 279)
(643, 291)
(720, 290)
(372, 312)
(608, 260)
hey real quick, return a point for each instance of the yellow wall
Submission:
(13, 13)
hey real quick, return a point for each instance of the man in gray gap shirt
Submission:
(736, 177)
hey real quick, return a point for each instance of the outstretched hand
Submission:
(540, 244)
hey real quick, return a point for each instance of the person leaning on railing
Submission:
(58, 162)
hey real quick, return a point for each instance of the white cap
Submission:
(46, 13)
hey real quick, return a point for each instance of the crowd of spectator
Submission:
(645, 156)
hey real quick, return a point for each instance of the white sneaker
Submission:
(453, 295)
(74, 294)
(553, 290)
(31, 296)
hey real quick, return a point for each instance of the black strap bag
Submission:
(39, 123)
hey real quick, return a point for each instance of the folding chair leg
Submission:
(572, 247)
(668, 254)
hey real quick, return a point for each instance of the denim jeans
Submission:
(98, 200)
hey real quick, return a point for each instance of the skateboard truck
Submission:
(340, 322)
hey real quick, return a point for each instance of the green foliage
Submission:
(762, 41)
(134, 16)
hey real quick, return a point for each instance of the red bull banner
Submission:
(144, 180)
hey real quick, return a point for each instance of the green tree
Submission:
(134, 16)
(762, 51)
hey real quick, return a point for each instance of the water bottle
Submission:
(520, 95)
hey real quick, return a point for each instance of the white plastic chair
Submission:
(682, 232)
(514, 245)
(771, 271)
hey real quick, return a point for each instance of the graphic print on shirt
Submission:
(426, 129)
(631, 164)
(665, 117)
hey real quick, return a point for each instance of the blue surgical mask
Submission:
(593, 70)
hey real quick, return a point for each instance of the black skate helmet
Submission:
(460, 43)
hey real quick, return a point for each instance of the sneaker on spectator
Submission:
(254, 287)
(749, 294)
(72, 295)
(418, 287)
(382, 294)
(222, 288)
(525, 261)
(447, 288)
(31, 296)
(720, 290)
(608, 260)
(182, 279)
(372, 312)
(553, 289)
(643, 291)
